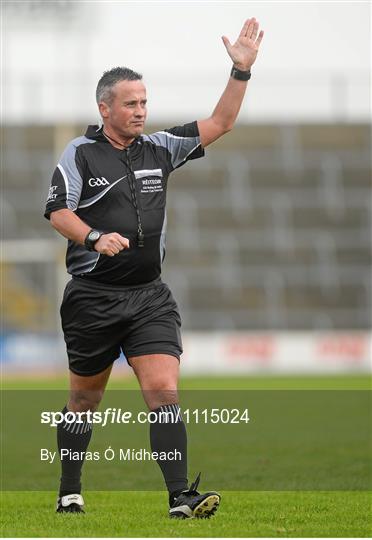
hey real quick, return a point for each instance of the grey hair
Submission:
(110, 78)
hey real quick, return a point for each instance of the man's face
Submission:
(126, 114)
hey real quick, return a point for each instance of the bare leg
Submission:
(72, 438)
(87, 392)
(158, 377)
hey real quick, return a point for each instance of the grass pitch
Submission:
(241, 514)
(144, 514)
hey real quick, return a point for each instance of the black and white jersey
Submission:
(92, 180)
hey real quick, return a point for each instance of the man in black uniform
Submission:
(107, 198)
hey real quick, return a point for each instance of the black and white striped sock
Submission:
(168, 434)
(73, 436)
(168, 414)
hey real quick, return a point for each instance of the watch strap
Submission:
(240, 75)
(89, 242)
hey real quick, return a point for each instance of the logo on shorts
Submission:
(93, 182)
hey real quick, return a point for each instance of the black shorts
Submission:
(101, 320)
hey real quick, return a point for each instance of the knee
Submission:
(160, 392)
(82, 401)
(160, 383)
(161, 389)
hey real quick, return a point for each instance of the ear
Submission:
(104, 109)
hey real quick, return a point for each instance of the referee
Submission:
(107, 197)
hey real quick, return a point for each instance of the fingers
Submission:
(124, 242)
(244, 30)
(254, 30)
(111, 252)
(259, 39)
(250, 28)
(111, 244)
(117, 243)
(226, 42)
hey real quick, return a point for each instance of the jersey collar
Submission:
(95, 132)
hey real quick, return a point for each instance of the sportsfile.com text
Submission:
(118, 416)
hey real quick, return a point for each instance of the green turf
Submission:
(242, 514)
(294, 382)
(294, 440)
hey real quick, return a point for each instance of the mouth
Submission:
(138, 123)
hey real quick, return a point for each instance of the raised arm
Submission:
(243, 54)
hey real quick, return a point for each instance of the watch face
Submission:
(94, 236)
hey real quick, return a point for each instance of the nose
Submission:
(140, 111)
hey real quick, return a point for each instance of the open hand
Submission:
(244, 51)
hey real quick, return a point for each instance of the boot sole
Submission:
(207, 508)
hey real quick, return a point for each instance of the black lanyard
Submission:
(132, 185)
(132, 180)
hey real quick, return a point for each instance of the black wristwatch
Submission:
(240, 75)
(91, 238)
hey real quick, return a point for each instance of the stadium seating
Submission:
(271, 230)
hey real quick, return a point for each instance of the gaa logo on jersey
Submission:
(98, 182)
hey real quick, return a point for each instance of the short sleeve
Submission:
(66, 183)
(182, 143)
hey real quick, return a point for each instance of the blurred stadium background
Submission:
(269, 236)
